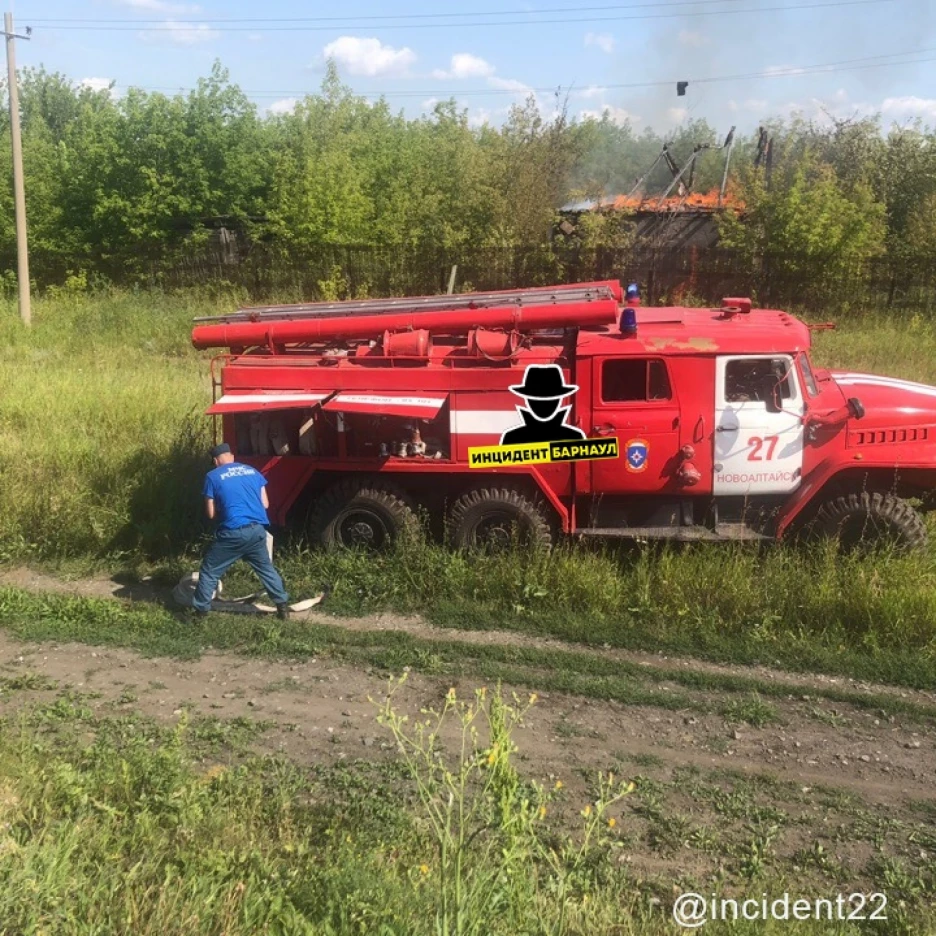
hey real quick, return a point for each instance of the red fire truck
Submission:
(363, 414)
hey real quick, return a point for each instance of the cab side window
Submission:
(747, 381)
(634, 380)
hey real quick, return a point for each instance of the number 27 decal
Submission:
(758, 443)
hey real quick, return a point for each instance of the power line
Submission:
(524, 22)
(394, 16)
(792, 71)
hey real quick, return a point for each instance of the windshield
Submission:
(808, 377)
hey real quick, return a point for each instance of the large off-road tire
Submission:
(860, 520)
(496, 519)
(362, 514)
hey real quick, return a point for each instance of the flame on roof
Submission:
(694, 201)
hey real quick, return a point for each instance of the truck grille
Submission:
(891, 436)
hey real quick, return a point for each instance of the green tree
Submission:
(805, 218)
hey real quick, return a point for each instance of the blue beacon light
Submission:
(629, 322)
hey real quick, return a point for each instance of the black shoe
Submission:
(196, 614)
(282, 612)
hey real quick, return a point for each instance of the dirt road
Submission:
(851, 779)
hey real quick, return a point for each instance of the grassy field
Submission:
(112, 823)
(100, 420)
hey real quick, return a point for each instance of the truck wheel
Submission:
(491, 518)
(362, 515)
(862, 518)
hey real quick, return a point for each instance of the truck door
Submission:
(633, 399)
(758, 425)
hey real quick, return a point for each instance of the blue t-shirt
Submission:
(235, 489)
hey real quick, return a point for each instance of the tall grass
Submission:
(111, 826)
(100, 426)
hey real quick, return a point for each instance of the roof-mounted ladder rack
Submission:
(348, 308)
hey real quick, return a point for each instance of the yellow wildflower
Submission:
(542, 812)
(611, 823)
(424, 869)
(587, 811)
(533, 698)
(558, 784)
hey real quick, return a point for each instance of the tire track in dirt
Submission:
(104, 587)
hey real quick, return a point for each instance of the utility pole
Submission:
(19, 190)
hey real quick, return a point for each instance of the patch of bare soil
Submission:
(104, 587)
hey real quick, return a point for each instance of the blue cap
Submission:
(222, 449)
(632, 291)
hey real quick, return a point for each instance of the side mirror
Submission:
(769, 394)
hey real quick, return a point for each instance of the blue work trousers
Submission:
(247, 543)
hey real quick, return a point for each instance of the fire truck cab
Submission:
(361, 414)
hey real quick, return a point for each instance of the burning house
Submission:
(674, 230)
(677, 218)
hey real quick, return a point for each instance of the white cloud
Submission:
(910, 106)
(508, 84)
(593, 91)
(465, 65)
(160, 6)
(370, 57)
(96, 84)
(429, 103)
(604, 41)
(182, 33)
(617, 115)
(283, 106)
(677, 114)
(836, 105)
(480, 118)
(687, 37)
(784, 70)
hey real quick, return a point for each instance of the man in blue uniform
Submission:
(236, 495)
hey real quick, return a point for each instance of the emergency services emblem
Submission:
(636, 454)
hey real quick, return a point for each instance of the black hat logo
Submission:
(545, 387)
(543, 382)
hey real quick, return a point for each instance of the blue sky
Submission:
(742, 58)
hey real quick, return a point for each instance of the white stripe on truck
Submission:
(484, 422)
(271, 398)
